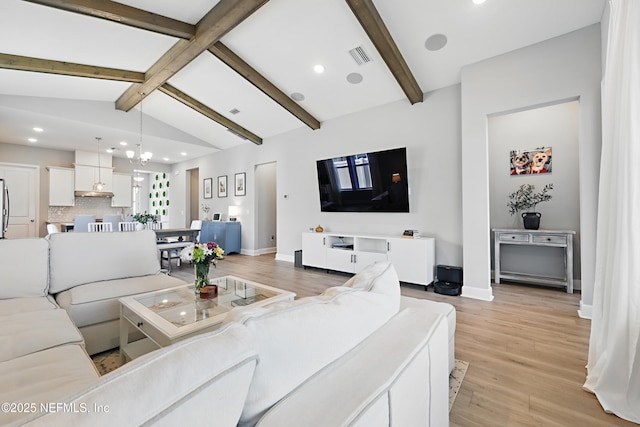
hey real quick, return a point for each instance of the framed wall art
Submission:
(207, 188)
(240, 184)
(222, 186)
(534, 161)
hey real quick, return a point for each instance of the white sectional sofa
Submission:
(88, 272)
(350, 356)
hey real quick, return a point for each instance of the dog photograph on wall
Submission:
(525, 162)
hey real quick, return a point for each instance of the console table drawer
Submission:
(550, 238)
(519, 237)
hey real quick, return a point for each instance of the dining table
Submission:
(190, 234)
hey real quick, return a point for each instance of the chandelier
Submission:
(143, 157)
(99, 186)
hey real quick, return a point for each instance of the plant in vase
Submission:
(143, 218)
(524, 199)
(202, 256)
(205, 209)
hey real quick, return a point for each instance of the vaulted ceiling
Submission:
(210, 75)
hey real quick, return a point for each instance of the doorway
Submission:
(193, 195)
(22, 182)
(266, 208)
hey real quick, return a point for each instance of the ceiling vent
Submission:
(360, 55)
(237, 134)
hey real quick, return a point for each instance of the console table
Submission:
(542, 238)
(227, 234)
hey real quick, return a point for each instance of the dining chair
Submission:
(172, 248)
(81, 223)
(52, 229)
(127, 226)
(113, 219)
(153, 226)
(100, 227)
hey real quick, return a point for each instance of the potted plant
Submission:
(524, 199)
(143, 218)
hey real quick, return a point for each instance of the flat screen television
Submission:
(367, 182)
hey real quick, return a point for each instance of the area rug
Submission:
(455, 380)
(110, 360)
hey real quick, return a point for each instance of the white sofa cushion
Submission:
(24, 305)
(199, 381)
(373, 386)
(377, 278)
(25, 264)
(44, 377)
(26, 333)
(98, 302)
(80, 258)
(296, 339)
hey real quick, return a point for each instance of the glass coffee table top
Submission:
(181, 306)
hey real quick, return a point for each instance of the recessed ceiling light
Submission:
(123, 143)
(297, 96)
(166, 159)
(318, 68)
(354, 78)
(32, 140)
(478, 1)
(38, 129)
(183, 154)
(109, 150)
(436, 42)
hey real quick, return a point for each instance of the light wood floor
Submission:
(527, 349)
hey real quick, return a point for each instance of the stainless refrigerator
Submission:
(4, 207)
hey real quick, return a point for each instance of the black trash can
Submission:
(297, 258)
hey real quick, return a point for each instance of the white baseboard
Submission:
(586, 311)
(257, 252)
(287, 258)
(477, 293)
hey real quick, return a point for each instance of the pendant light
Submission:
(99, 186)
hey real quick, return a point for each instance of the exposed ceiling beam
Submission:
(124, 14)
(178, 95)
(236, 63)
(25, 63)
(224, 16)
(373, 25)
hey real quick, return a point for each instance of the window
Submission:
(353, 172)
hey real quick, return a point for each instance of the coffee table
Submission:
(171, 315)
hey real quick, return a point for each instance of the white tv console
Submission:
(413, 259)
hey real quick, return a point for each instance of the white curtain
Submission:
(614, 349)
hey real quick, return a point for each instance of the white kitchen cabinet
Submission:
(86, 176)
(61, 186)
(121, 191)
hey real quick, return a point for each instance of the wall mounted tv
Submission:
(367, 182)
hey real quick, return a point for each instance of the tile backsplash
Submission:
(85, 206)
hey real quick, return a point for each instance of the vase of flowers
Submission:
(202, 256)
(524, 199)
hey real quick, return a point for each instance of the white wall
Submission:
(566, 67)
(554, 126)
(431, 132)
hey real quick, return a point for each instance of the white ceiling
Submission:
(283, 40)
